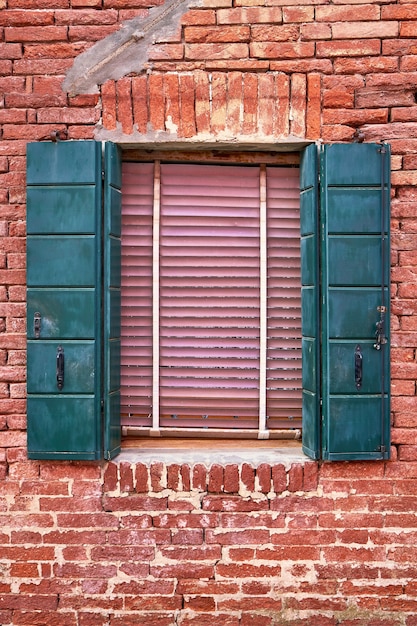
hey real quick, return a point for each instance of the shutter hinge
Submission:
(383, 449)
(102, 175)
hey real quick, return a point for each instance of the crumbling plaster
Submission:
(126, 50)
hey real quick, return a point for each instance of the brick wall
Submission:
(83, 544)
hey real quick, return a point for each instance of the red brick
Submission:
(90, 33)
(214, 34)
(199, 480)
(298, 14)
(150, 619)
(195, 17)
(172, 101)
(250, 15)
(247, 570)
(108, 16)
(199, 619)
(35, 34)
(29, 618)
(183, 570)
(263, 475)
(363, 30)
(315, 31)
(407, 453)
(266, 103)
(353, 554)
(202, 98)
(408, 29)
(10, 51)
(108, 100)
(173, 476)
(232, 503)
(185, 472)
(215, 479)
(140, 103)
(248, 476)
(311, 476)
(26, 18)
(187, 100)
(216, 51)
(157, 471)
(248, 619)
(219, 103)
(250, 103)
(283, 108)
(279, 478)
(231, 479)
(275, 33)
(282, 50)
(166, 52)
(348, 48)
(124, 105)
(295, 478)
(352, 65)
(156, 104)
(248, 520)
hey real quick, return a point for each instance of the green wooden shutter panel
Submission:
(112, 272)
(345, 282)
(355, 284)
(310, 320)
(65, 289)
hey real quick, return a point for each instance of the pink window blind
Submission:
(209, 343)
(136, 305)
(284, 384)
(209, 267)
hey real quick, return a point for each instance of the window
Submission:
(74, 296)
(211, 297)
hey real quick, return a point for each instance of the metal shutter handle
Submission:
(60, 367)
(358, 366)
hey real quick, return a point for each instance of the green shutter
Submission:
(309, 226)
(65, 300)
(355, 195)
(112, 272)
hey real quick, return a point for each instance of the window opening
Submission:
(211, 313)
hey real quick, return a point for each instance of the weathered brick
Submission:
(282, 50)
(347, 13)
(348, 48)
(216, 51)
(187, 103)
(250, 15)
(108, 97)
(124, 105)
(275, 33)
(72, 17)
(207, 34)
(140, 103)
(35, 34)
